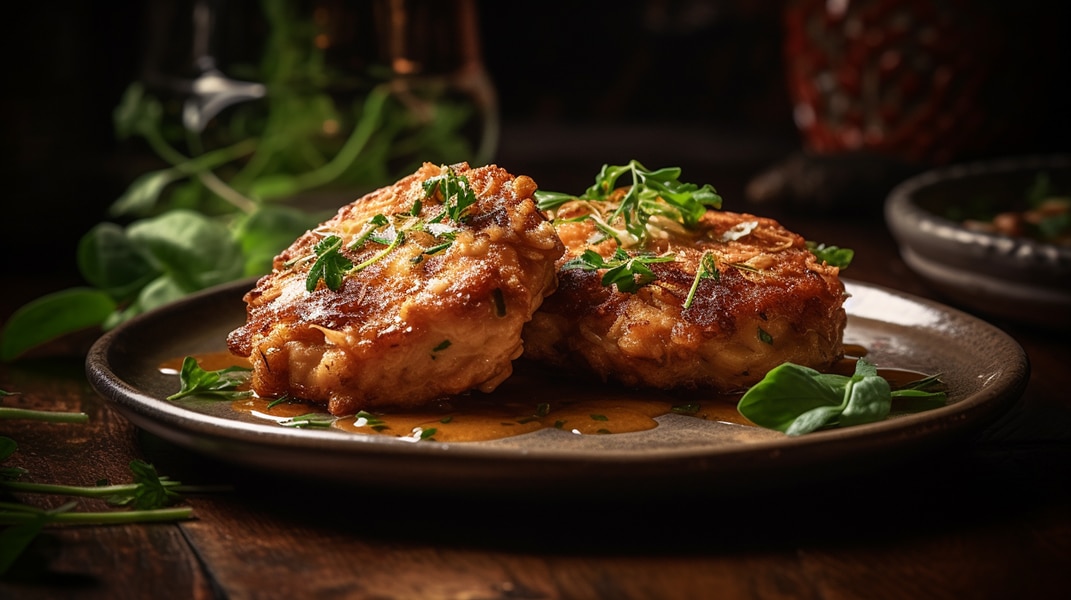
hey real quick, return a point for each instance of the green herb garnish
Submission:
(652, 196)
(330, 265)
(627, 272)
(832, 255)
(318, 420)
(454, 192)
(223, 384)
(451, 189)
(707, 270)
(796, 400)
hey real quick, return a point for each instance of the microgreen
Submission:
(651, 193)
(796, 400)
(627, 272)
(224, 383)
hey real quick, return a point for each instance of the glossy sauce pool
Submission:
(532, 398)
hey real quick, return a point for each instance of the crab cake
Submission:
(713, 304)
(414, 292)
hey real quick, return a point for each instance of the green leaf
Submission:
(454, 192)
(279, 185)
(143, 194)
(269, 230)
(628, 272)
(52, 316)
(150, 493)
(788, 391)
(798, 400)
(193, 249)
(832, 255)
(137, 113)
(159, 292)
(223, 383)
(8, 447)
(110, 262)
(869, 400)
(15, 539)
(330, 266)
(813, 420)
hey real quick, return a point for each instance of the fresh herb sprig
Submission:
(628, 215)
(151, 497)
(226, 383)
(797, 400)
(627, 272)
(655, 201)
(450, 188)
(831, 255)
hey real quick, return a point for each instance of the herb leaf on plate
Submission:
(796, 400)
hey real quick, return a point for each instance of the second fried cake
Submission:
(725, 299)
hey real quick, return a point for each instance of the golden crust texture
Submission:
(416, 322)
(771, 301)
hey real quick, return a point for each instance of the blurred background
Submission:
(745, 95)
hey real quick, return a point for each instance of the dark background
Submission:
(580, 83)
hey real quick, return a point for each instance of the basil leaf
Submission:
(786, 392)
(110, 262)
(52, 316)
(195, 250)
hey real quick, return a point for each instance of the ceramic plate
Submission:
(984, 369)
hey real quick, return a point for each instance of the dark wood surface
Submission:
(986, 517)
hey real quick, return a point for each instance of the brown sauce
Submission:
(533, 398)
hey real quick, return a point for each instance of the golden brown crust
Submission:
(412, 326)
(771, 302)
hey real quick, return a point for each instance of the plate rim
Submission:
(211, 435)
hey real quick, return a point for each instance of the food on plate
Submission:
(659, 288)
(413, 292)
(1043, 215)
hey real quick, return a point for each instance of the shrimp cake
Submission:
(770, 301)
(424, 306)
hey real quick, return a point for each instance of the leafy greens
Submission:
(795, 400)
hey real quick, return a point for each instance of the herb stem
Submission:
(379, 255)
(102, 491)
(43, 415)
(355, 144)
(13, 514)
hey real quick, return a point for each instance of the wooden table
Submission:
(986, 518)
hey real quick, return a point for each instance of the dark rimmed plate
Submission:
(985, 370)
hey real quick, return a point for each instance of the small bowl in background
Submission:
(1011, 277)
